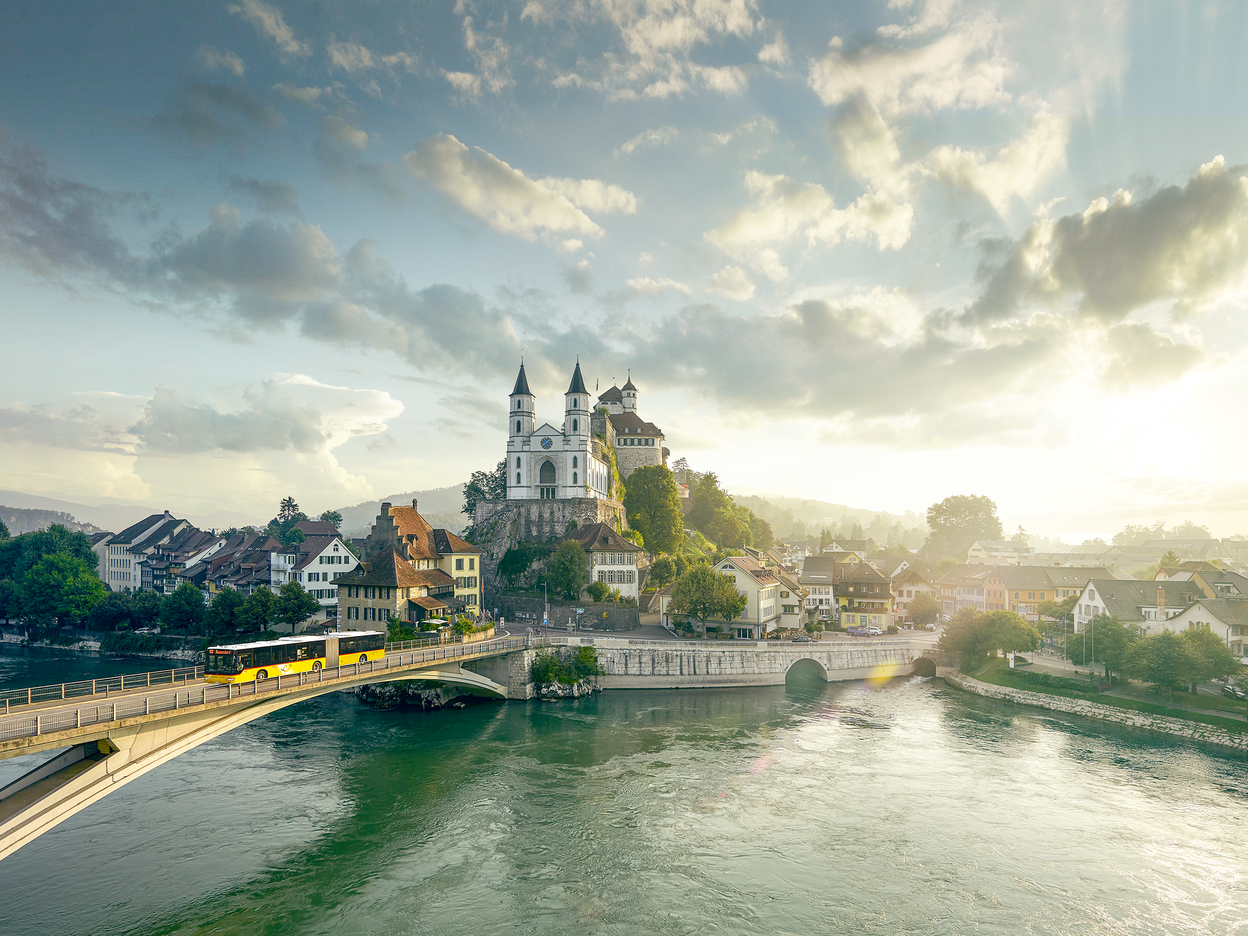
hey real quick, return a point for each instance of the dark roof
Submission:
(611, 396)
(1226, 610)
(392, 569)
(444, 541)
(629, 385)
(522, 383)
(137, 529)
(578, 382)
(317, 528)
(428, 603)
(818, 570)
(633, 424)
(162, 532)
(1123, 599)
(601, 536)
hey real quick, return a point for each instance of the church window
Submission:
(517, 425)
(574, 477)
(573, 461)
(517, 461)
(574, 425)
(517, 477)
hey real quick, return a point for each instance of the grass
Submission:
(998, 674)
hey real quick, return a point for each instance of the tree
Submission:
(144, 609)
(1169, 559)
(566, 570)
(183, 610)
(703, 593)
(1109, 642)
(958, 521)
(1060, 611)
(332, 516)
(1163, 659)
(258, 611)
(652, 504)
(288, 509)
(10, 599)
(1009, 632)
(19, 554)
(1187, 530)
(662, 571)
(1212, 658)
(825, 539)
(1135, 535)
(733, 605)
(294, 605)
(4, 530)
(485, 485)
(923, 609)
(112, 613)
(62, 587)
(225, 613)
(760, 530)
(598, 591)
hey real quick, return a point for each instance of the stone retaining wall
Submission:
(1181, 727)
(525, 611)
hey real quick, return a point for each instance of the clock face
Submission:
(545, 443)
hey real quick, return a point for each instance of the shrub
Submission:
(568, 666)
(124, 642)
(598, 591)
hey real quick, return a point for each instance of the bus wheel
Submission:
(263, 674)
(363, 658)
(316, 665)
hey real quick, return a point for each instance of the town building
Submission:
(125, 551)
(993, 552)
(159, 570)
(864, 596)
(1144, 604)
(612, 559)
(637, 442)
(1225, 617)
(761, 587)
(390, 586)
(316, 563)
(819, 577)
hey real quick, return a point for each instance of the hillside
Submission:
(116, 517)
(795, 518)
(21, 520)
(440, 506)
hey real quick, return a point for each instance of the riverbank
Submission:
(92, 645)
(1196, 731)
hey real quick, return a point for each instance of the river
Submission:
(906, 807)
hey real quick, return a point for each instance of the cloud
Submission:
(775, 52)
(308, 96)
(784, 210)
(205, 114)
(1183, 245)
(1139, 356)
(270, 22)
(492, 58)
(963, 69)
(272, 196)
(338, 130)
(272, 420)
(659, 137)
(1015, 172)
(74, 425)
(508, 200)
(732, 282)
(349, 56)
(579, 278)
(214, 59)
(339, 147)
(648, 286)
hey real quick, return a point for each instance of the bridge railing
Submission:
(103, 712)
(635, 643)
(92, 687)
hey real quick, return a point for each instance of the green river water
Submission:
(844, 808)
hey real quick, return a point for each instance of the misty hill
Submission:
(796, 518)
(116, 517)
(440, 506)
(21, 520)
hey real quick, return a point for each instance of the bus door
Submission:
(331, 650)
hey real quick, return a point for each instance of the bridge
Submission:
(118, 729)
(111, 731)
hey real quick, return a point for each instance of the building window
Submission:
(517, 427)
(574, 477)
(517, 477)
(574, 425)
(472, 564)
(573, 461)
(517, 461)
(459, 565)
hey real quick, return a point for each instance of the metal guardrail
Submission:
(104, 712)
(848, 643)
(92, 687)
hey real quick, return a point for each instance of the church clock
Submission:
(546, 443)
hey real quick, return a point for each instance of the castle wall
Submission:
(630, 458)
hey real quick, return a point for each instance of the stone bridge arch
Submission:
(806, 669)
(924, 666)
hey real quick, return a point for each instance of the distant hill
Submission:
(440, 506)
(116, 517)
(21, 520)
(796, 518)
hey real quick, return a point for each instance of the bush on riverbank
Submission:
(124, 642)
(568, 666)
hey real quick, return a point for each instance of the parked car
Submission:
(1234, 692)
(874, 631)
(856, 631)
(803, 638)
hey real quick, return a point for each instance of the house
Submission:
(1202, 548)
(995, 552)
(761, 587)
(1145, 604)
(389, 585)
(1021, 588)
(322, 558)
(908, 582)
(617, 561)
(1226, 617)
(159, 570)
(818, 578)
(964, 586)
(793, 614)
(404, 531)
(242, 563)
(132, 545)
(864, 595)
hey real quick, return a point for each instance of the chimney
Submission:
(413, 503)
(385, 507)
(1161, 603)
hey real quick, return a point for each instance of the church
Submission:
(549, 463)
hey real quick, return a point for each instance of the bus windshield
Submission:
(222, 661)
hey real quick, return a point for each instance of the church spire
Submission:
(578, 382)
(522, 383)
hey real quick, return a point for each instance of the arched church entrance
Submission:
(546, 481)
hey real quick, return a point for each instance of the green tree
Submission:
(485, 485)
(662, 572)
(112, 613)
(1060, 611)
(566, 570)
(294, 605)
(4, 530)
(332, 516)
(1213, 658)
(703, 593)
(825, 539)
(19, 554)
(184, 610)
(958, 521)
(10, 599)
(225, 613)
(258, 610)
(288, 509)
(1008, 631)
(1164, 659)
(923, 609)
(652, 503)
(964, 634)
(760, 531)
(733, 605)
(144, 609)
(1169, 559)
(60, 586)
(1107, 641)
(598, 591)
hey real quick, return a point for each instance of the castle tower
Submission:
(576, 406)
(522, 418)
(629, 393)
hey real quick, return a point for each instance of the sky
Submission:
(874, 253)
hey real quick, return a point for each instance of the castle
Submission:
(574, 460)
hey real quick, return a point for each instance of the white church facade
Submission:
(549, 463)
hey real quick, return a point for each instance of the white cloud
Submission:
(349, 56)
(571, 245)
(963, 69)
(733, 283)
(508, 200)
(492, 56)
(784, 210)
(775, 52)
(1015, 172)
(648, 138)
(340, 131)
(646, 286)
(214, 59)
(270, 22)
(308, 96)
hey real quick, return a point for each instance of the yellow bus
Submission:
(233, 663)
